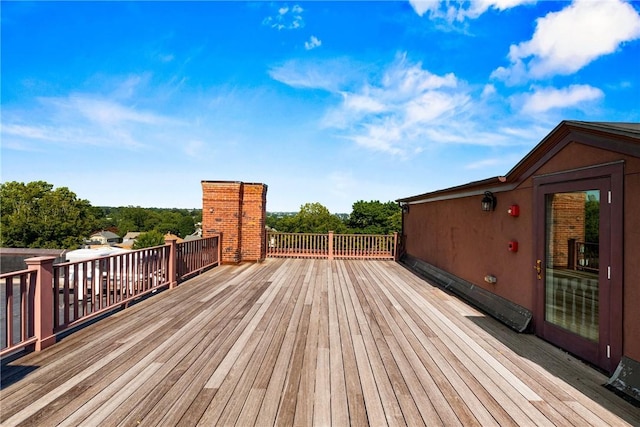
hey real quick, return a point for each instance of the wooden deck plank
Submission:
(337, 384)
(456, 383)
(306, 388)
(307, 342)
(238, 381)
(271, 337)
(393, 359)
(274, 382)
(356, 316)
(168, 397)
(288, 401)
(488, 371)
(539, 380)
(355, 396)
(189, 411)
(442, 406)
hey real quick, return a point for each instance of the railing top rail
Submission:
(113, 255)
(15, 273)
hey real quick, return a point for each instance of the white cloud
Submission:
(166, 57)
(551, 98)
(566, 41)
(286, 18)
(488, 90)
(330, 75)
(392, 114)
(83, 119)
(423, 6)
(362, 102)
(403, 109)
(459, 11)
(194, 148)
(313, 43)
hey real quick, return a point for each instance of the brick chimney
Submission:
(238, 211)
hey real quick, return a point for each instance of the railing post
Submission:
(219, 248)
(395, 246)
(41, 290)
(330, 245)
(173, 262)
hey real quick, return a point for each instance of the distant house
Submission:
(131, 235)
(195, 235)
(104, 238)
(169, 236)
(129, 239)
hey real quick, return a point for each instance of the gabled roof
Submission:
(614, 136)
(106, 235)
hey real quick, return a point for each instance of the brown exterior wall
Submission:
(457, 236)
(631, 315)
(237, 210)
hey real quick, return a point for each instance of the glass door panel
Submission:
(572, 227)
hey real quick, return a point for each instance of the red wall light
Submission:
(514, 210)
(513, 246)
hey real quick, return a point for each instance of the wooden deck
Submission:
(305, 342)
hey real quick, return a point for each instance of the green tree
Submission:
(592, 219)
(186, 226)
(149, 239)
(375, 217)
(34, 215)
(312, 218)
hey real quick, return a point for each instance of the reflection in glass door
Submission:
(572, 227)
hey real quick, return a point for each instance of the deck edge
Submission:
(513, 315)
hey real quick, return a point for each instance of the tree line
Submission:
(373, 217)
(37, 215)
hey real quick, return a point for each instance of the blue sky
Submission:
(135, 103)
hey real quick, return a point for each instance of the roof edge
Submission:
(531, 161)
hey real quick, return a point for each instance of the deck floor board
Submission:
(305, 342)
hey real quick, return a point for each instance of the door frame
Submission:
(544, 184)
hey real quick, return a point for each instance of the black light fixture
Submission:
(405, 208)
(489, 202)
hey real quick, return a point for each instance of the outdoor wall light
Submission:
(489, 202)
(405, 208)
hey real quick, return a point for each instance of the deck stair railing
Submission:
(332, 246)
(45, 299)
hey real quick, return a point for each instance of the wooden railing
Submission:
(16, 290)
(195, 255)
(332, 246)
(583, 256)
(86, 289)
(46, 299)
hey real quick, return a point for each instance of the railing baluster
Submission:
(342, 246)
